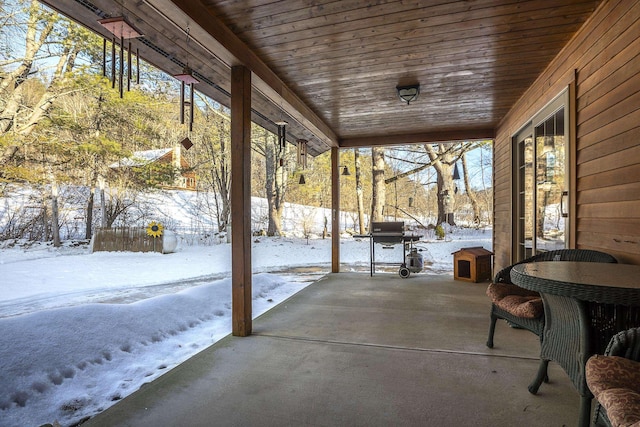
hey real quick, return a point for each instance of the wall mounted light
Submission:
(409, 93)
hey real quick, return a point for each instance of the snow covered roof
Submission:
(140, 158)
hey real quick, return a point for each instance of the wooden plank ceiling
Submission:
(330, 68)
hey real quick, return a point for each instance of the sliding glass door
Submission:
(541, 183)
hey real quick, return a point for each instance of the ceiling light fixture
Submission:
(409, 93)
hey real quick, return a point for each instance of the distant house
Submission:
(183, 176)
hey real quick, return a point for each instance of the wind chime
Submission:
(282, 140)
(187, 78)
(121, 31)
(302, 158)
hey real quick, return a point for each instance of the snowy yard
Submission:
(80, 331)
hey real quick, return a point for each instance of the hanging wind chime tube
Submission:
(121, 70)
(282, 139)
(302, 153)
(104, 56)
(302, 158)
(113, 62)
(182, 102)
(137, 66)
(282, 134)
(191, 108)
(129, 71)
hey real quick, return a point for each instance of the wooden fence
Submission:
(131, 239)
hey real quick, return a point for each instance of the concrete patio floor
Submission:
(355, 350)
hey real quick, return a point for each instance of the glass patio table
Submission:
(585, 304)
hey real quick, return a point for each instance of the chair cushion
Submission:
(615, 383)
(516, 300)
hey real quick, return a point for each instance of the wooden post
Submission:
(241, 200)
(335, 210)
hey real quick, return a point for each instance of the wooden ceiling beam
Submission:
(418, 138)
(225, 46)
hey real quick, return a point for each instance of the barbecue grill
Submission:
(389, 234)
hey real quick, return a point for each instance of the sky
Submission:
(80, 331)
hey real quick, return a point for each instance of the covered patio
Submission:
(357, 350)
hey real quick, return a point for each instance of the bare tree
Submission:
(359, 192)
(275, 180)
(442, 157)
(41, 26)
(215, 165)
(470, 192)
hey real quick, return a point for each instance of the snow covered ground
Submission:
(80, 331)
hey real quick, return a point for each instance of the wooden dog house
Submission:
(472, 264)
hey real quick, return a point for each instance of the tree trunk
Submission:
(53, 92)
(379, 196)
(470, 193)
(90, 202)
(45, 220)
(222, 179)
(359, 194)
(55, 222)
(224, 217)
(275, 183)
(442, 161)
(11, 85)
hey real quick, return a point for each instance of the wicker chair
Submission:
(523, 308)
(614, 380)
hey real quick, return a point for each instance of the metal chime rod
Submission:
(113, 62)
(104, 57)
(280, 135)
(181, 102)
(302, 154)
(137, 66)
(121, 71)
(129, 68)
(191, 108)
